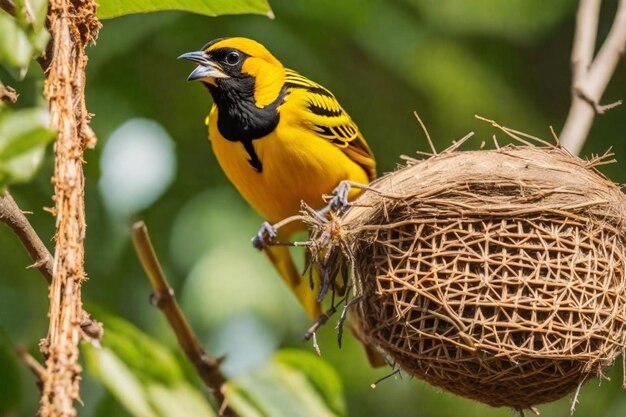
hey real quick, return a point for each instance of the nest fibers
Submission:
(497, 275)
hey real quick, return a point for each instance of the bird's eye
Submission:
(232, 58)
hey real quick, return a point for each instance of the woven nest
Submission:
(497, 275)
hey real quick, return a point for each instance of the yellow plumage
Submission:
(280, 139)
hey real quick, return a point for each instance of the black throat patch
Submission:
(239, 119)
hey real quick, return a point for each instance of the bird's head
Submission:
(239, 66)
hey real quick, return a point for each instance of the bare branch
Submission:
(585, 38)
(163, 298)
(35, 367)
(604, 64)
(590, 78)
(72, 26)
(11, 214)
(8, 6)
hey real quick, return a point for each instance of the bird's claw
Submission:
(339, 202)
(265, 235)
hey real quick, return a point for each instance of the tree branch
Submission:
(590, 78)
(72, 25)
(163, 298)
(8, 6)
(584, 38)
(11, 214)
(14, 218)
(35, 367)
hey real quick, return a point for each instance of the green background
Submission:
(448, 60)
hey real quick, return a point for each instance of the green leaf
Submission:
(38, 9)
(10, 386)
(119, 380)
(150, 360)
(181, 400)
(23, 137)
(281, 389)
(15, 47)
(115, 8)
(142, 375)
(320, 374)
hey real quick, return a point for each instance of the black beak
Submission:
(205, 69)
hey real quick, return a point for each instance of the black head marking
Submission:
(232, 68)
(239, 118)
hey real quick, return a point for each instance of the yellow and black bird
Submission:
(280, 138)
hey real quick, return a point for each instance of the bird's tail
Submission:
(280, 257)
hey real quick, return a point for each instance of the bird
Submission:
(281, 139)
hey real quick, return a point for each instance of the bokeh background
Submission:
(447, 60)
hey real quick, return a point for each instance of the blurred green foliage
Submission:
(447, 60)
(147, 380)
(23, 36)
(114, 8)
(23, 136)
(10, 382)
(23, 133)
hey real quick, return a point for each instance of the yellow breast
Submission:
(298, 165)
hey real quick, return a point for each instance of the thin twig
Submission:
(8, 6)
(572, 407)
(321, 320)
(379, 380)
(207, 366)
(430, 141)
(590, 78)
(344, 314)
(14, 218)
(35, 367)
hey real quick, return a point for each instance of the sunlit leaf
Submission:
(39, 41)
(280, 389)
(141, 374)
(114, 8)
(150, 360)
(180, 400)
(119, 380)
(10, 387)
(23, 137)
(320, 374)
(15, 47)
(32, 12)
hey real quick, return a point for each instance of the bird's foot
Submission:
(265, 236)
(339, 202)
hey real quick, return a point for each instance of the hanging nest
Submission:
(497, 275)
